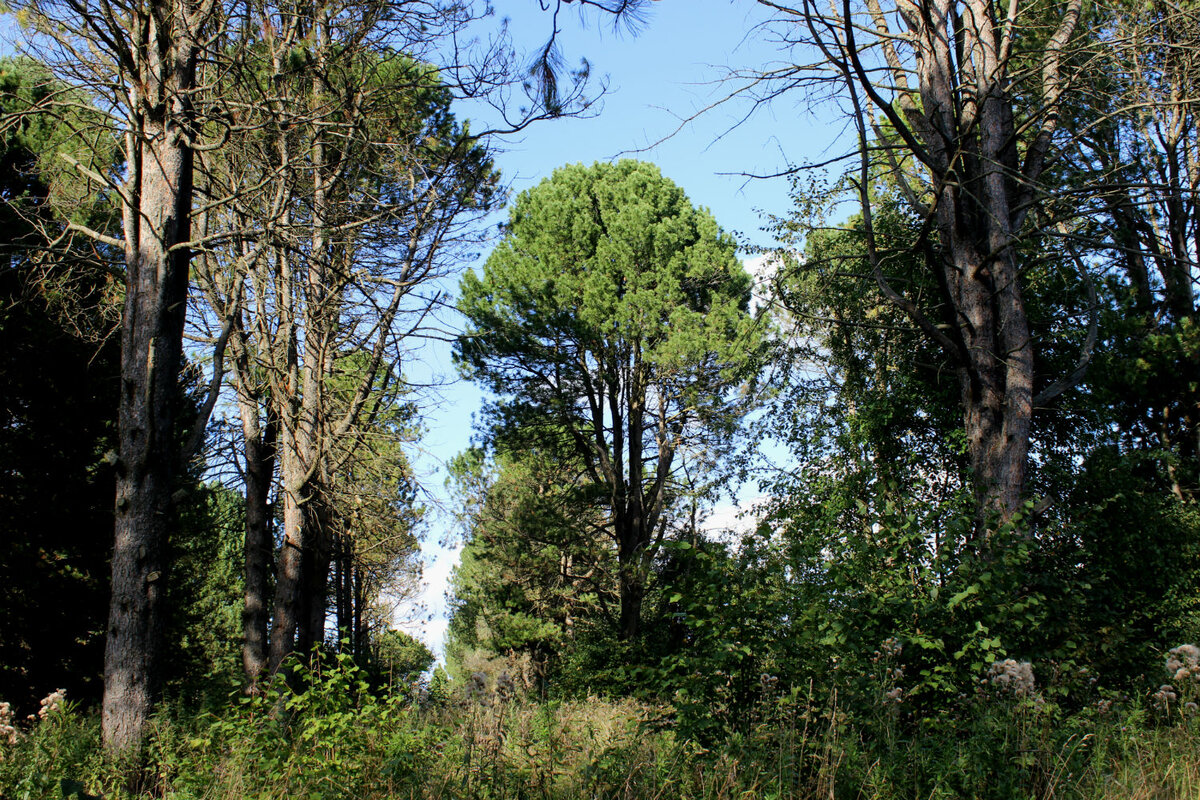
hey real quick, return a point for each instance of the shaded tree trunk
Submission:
(157, 219)
(259, 440)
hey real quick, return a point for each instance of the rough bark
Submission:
(157, 217)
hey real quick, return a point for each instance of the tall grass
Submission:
(339, 739)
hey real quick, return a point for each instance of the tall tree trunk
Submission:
(259, 473)
(314, 602)
(289, 566)
(948, 99)
(157, 220)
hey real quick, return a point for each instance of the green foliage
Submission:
(204, 595)
(47, 129)
(597, 260)
(58, 405)
(612, 324)
(400, 657)
(338, 739)
(532, 571)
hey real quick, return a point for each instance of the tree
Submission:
(535, 567)
(399, 656)
(58, 374)
(1139, 142)
(613, 324)
(958, 102)
(142, 60)
(353, 229)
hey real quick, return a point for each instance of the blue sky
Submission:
(668, 71)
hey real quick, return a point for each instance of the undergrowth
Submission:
(339, 738)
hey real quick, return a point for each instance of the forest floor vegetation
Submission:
(342, 737)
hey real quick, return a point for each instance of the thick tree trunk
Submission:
(949, 103)
(157, 224)
(632, 592)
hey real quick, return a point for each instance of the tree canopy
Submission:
(613, 324)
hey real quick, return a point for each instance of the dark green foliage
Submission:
(398, 657)
(533, 575)
(57, 408)
(337, 738)
(204, 596)
(57, 414)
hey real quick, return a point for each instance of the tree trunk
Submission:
(314, 602)
(259, 474)
(289, 573)
(957, 124)
(156, 225)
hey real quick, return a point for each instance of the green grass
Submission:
(339, 740)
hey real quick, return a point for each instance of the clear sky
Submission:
(668, 71)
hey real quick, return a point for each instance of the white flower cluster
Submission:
(1183, 662)
(1012, 676)
(52, 703)
(888, 648)
(8, 731)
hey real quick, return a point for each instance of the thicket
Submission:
(346, 734)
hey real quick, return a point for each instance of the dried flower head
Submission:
(1183, 663)
(894, 696)
(1164, 696)
(52, 703)
(1012, 676)
(8, 731)
(477, 686)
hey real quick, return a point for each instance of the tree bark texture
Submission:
(157, 218)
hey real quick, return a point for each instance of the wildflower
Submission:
(1014, 676)
(1190, 708)
(1165, 695)
(895, 695)
(888, 648)
(8, 731)
(477, 685)
(1183, 662)
(1104, 706)
(52, 703)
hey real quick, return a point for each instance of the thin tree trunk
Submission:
(259, 474)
